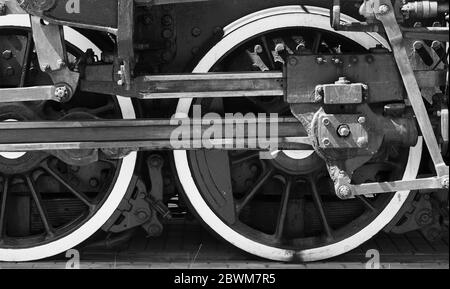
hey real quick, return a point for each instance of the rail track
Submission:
(296, 130)
(187, 245)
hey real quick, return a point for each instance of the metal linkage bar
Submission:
(196, 85)
(153, 134)
(207, 85)
(389, 187)
(384, 12)
(427, 33)
(28, 94)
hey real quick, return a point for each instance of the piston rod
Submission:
(186, 134)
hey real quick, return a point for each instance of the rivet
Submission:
(326, 142)
(167, 33)
(196, 31)
(167, 20)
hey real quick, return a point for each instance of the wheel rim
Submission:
(236, 34)
(99, 187)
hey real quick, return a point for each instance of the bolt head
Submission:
(344, 192)
(320, 60)
(62, 93)
(326, 122)
(343, 80)
(344, 130)
(418, 45)
(369, 59)
(326, 142)
(154, 230)
(167, 33)
(167, 20)
(142, 215)
(337, 61)
(93, 182)
(293, 61)
(147, 20)
(425, 217)
(258, 49)
(383, 9)
(362, 120)
(445, 183)
(436, 44)
(7, 54)
(196, 31)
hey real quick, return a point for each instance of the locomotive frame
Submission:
(120, 73)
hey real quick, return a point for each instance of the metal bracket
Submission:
(385, 13)
(155, 197)
(140, 207)
(125, 48)
(51, 51)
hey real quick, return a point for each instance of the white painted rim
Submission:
(12, 155)
(236, 33)
(104, 213)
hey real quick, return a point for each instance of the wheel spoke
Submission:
(241, 204)
(3, 206)
(102, 109)
(112, 163)
(267, 50)
(26, 60)
(283, 210)
(367, 203)
(319, 206)
(244, 158)
(82, 197)
(40, 206)
(317, 41)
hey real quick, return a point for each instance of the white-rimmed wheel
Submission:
(46, 205)
(285, 209)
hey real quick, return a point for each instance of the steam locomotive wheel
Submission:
(48, 206)
(285, 209)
